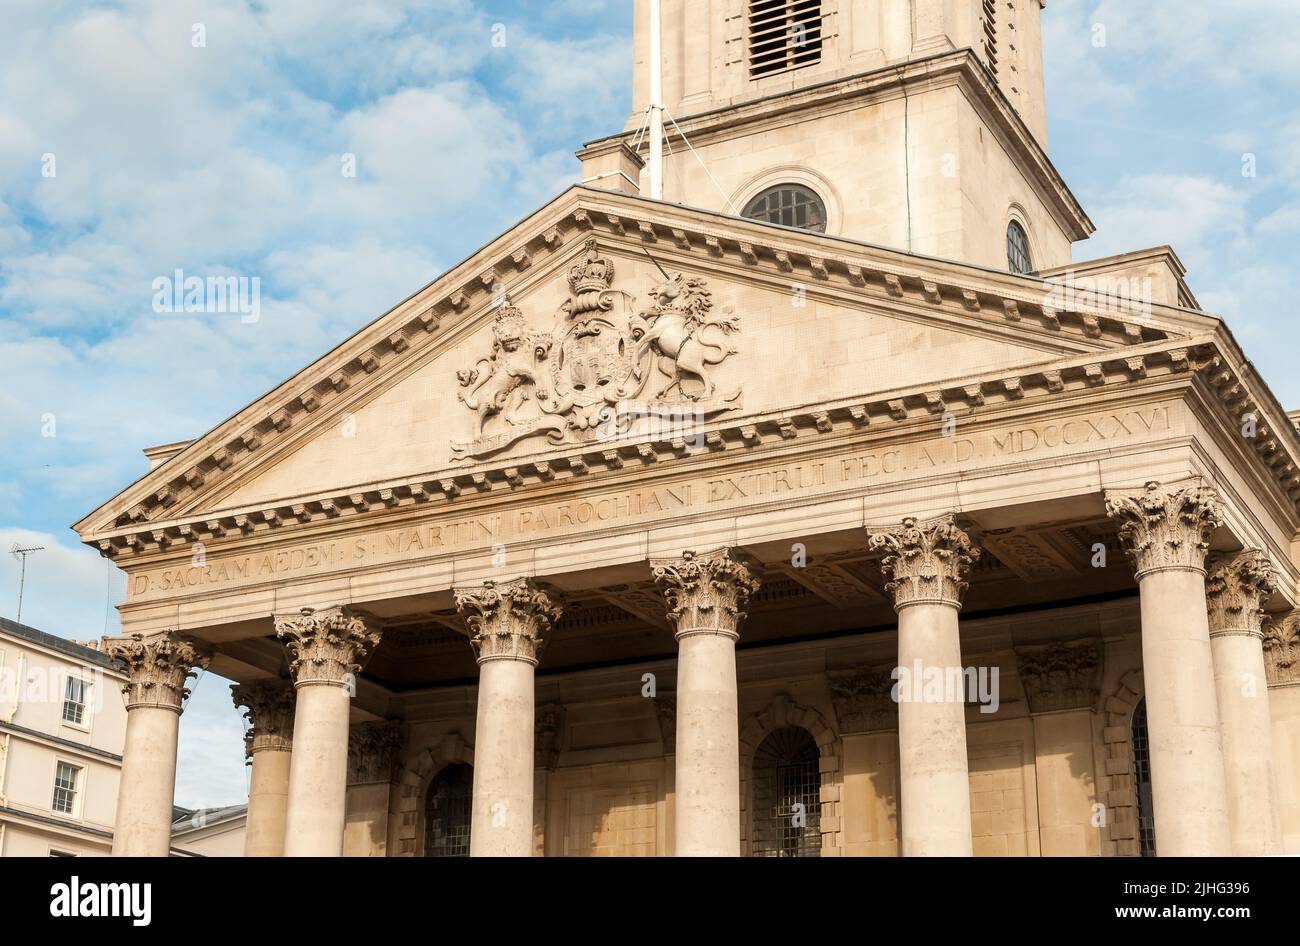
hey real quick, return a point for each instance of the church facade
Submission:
(821, 508)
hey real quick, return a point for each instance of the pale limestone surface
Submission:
(832, 388)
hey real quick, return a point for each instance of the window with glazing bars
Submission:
(1018, 249)
(74, 701)
(1142, 778)
(787, 796)
(447, 812)
(65, 788)
(790, 205)
(783, 35)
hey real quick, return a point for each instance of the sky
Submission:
(138, 137)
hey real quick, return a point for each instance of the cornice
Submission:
(904, 412)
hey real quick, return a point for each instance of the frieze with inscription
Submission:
(523, 522)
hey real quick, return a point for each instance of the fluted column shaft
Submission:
(707, 596)
(1237, 589)
(328, 649)
(1167, 534)
(925, 565)
(268, 706)
(509, 622)
(158, 666)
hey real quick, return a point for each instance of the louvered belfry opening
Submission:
(787, 795)
(989, 20)
(783, 35)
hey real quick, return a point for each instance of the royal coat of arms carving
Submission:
(603, 366)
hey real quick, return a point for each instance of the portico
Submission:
(620, 536)
(1052, 523)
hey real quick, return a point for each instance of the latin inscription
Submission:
(657, 504)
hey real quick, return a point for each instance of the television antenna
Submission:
(21, 554)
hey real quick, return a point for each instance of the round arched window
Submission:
(1018, 249)
(1142, 780)
(447, 812)
(787, 795)
(790, 205)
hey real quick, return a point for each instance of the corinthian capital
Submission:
(1163, 529)
(509, 620)
(1282, 651)
(158, 666)
(329, 646)
(372, 752)
(1235, 591)
(707, 593)
(925, 563)
(268, 707)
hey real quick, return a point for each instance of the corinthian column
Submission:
(925, 567)
(1167, 532)
(1236, 590)
(708, 595)
(268, 707)
(328, 649)
(158, 666)
(508, 622)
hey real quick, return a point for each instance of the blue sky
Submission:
(225, 158)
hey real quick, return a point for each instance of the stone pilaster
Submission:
(925, 566)
(1237, 588)
(268, 743)
(925, 563)
(157, 666)
(863, 701)
(508, 623)
(373, 751)
(1282, 651)
(548, 729)
(1166, 531)
(327, 649)
(707, 595)
(1062, 675)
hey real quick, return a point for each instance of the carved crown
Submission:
(592, 273)
(509, 325)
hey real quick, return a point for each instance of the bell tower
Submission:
(914, 124)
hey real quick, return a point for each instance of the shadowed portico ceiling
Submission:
(1020, 568)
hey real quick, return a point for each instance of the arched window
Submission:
(1142, 778)
(787, 795)
(1018, 249)
(447, 812)
(791, 205)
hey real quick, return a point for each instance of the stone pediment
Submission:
(605, 327)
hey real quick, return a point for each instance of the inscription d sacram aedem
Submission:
(806, 478)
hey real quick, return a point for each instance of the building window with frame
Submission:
(74, 701)
(1018, 259)
(783, 35)
(787, 795)
(67, 778)
(790, 205)
(1142, 781)
(447, 809)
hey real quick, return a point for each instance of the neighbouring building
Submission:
(824, 507)
(62, 726)
(209, 832)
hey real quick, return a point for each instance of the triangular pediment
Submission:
(604, 317)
